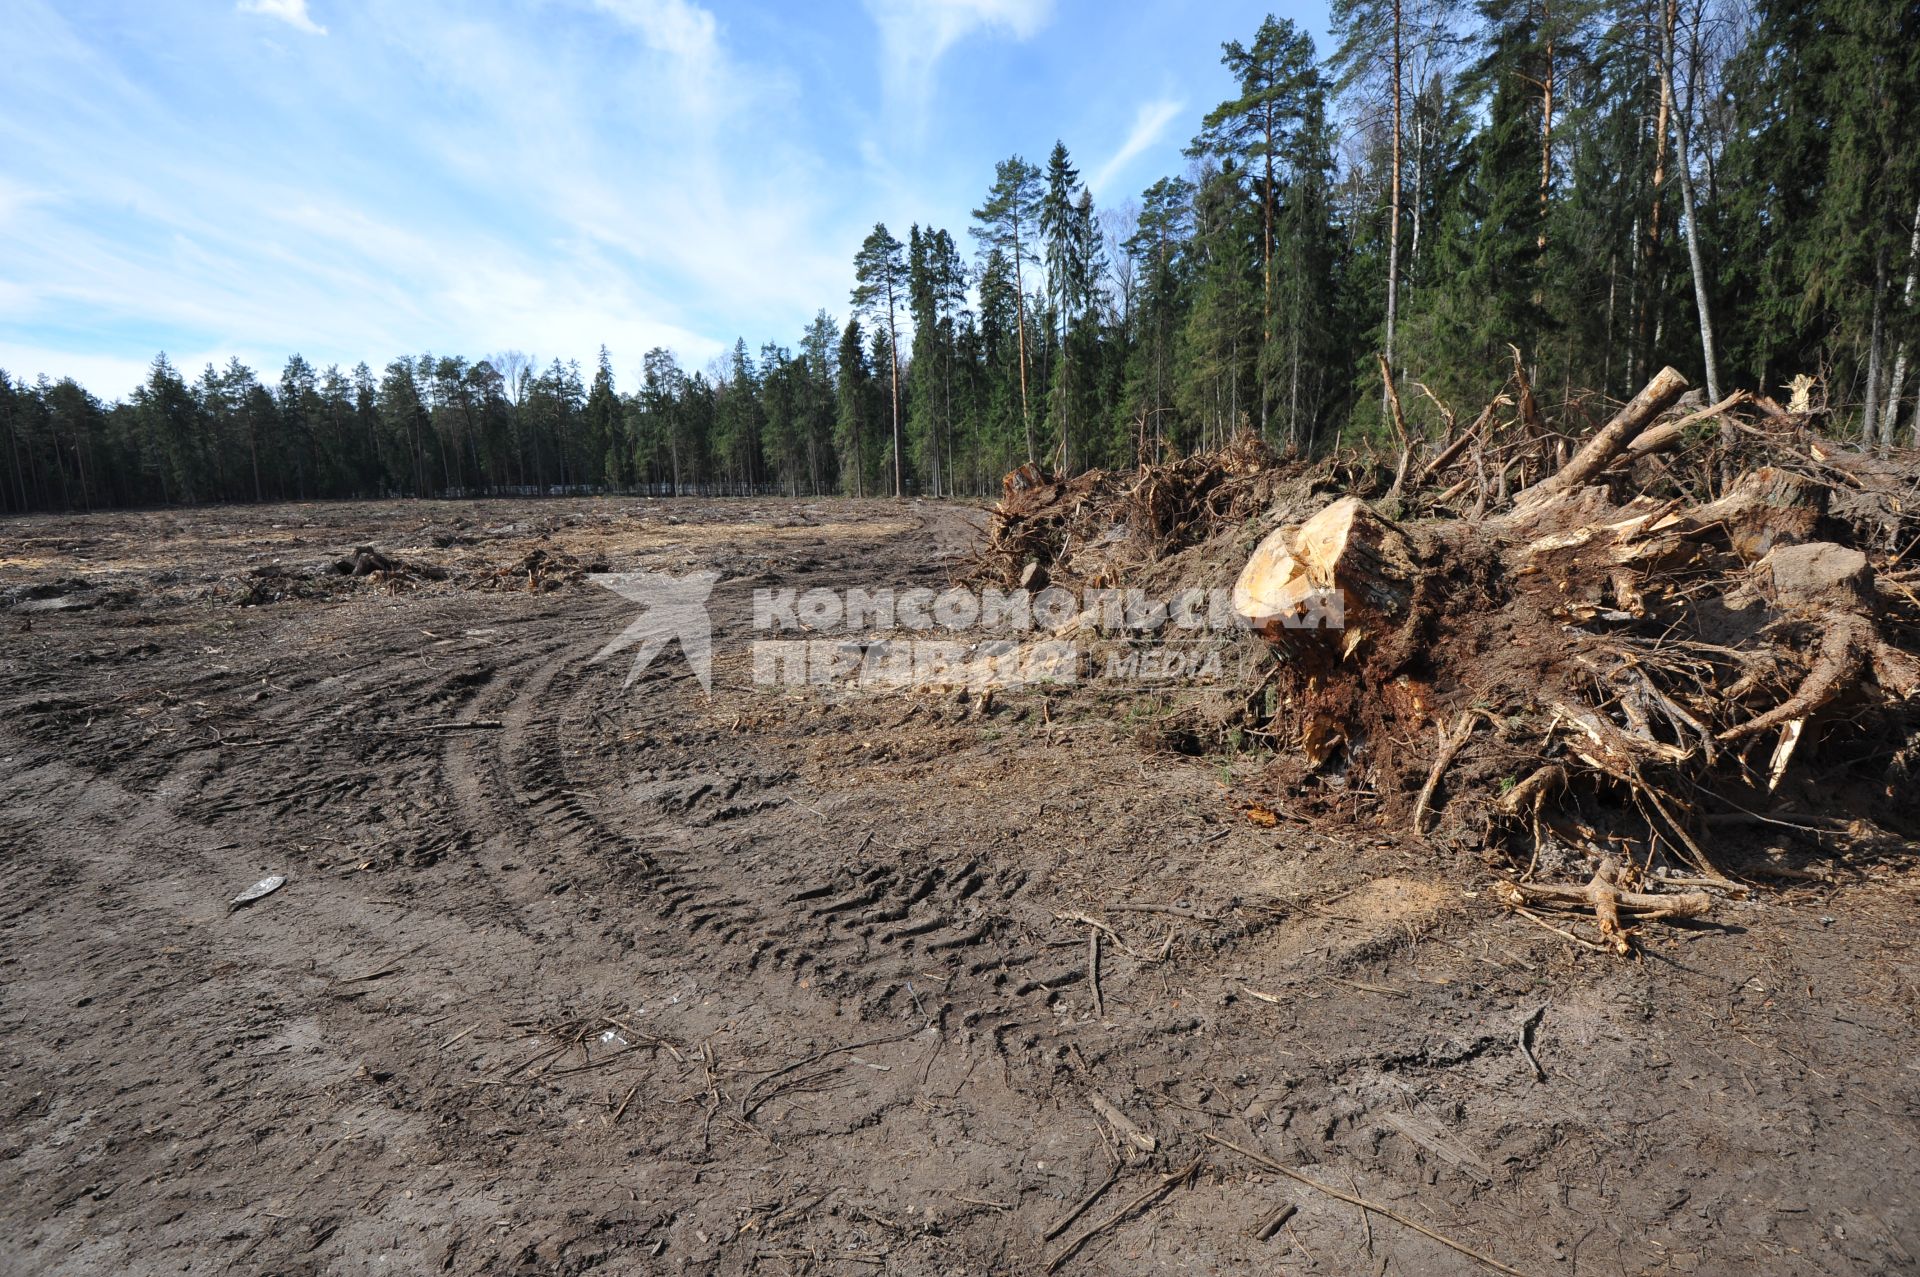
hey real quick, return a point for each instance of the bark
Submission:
(893, 354)
(1694, 258)
(1546, 131)
(1393, 227)
(1890, 414)
(1419, 189)
(1266, 267)
(1645, 332)
(1869, 431)
(1020, 326)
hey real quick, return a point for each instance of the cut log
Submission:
(1819, 577)
(1598, 451)
(1345, 570)
(1273, 590)
(1668, 434)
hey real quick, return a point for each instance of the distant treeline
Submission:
(1727, 186)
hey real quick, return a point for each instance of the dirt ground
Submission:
(568, 977)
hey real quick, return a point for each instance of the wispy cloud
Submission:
(485, 188)
(684, 30)
(547, 175)
(916, 34)
(292, 12)
(1149, 126)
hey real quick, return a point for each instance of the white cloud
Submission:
(916, 34)
(112, 377)
(292, 12)
(1149, 125)
(674, 27)
(548, 193)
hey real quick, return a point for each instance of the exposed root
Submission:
(1698, 612)
(1604, 896)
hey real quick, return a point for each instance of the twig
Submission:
(1564, 934)
(1174, 910)
(1166, 1185)
(1093, 973)
(975, 1201)
(636, 1035)
(1067, 1219)
(1366, 1221)
(1364, 987)
(748, 1104)
(1354, 1199)
(461, 1034)
(1526, 1048)
(1129, 1130)
(1450, 745)
(1276, 1221)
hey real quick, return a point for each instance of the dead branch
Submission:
(1354, 1199)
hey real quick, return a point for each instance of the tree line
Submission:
(1591, 188)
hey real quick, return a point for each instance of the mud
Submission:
(569, 977)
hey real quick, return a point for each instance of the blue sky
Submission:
(360, 180)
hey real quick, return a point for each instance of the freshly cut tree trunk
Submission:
(1345, 572)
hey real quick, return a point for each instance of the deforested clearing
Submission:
(937, 637)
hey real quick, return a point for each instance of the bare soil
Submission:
(568, 977)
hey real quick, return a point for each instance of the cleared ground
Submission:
(568, 977)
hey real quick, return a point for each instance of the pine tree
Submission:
(1159, 247)
(1275, 78)
(1004, 227)
(854, 396)
(170, 425)
(879, 271)
(605, 425)
(819, 399)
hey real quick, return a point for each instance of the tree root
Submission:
(1837, 666)
(1602, 894)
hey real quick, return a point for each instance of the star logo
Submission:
(676, 608)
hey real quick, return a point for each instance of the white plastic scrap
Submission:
(265, 887)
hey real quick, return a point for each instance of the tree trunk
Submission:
(1654, 398)
(1869, 431)
(1266, 268)
(1066, 390)
(1345, 570)
(1419, 187)
(1020, 327)
(1890, 414)
(1684, 164)
(1393, 227)
(1546, 133)
(893, 355)
(1646, 299)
